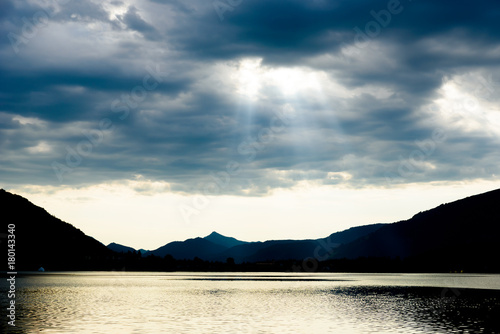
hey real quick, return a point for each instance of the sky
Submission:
(145, 122)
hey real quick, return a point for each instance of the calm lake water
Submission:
(125, 302)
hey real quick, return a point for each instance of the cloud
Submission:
(366, 83)
(135, 22)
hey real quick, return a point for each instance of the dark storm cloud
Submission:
(86, 62)
(296, 28)
(47, 94)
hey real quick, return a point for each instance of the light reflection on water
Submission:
(124, 302)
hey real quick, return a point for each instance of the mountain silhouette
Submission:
(189, 249)
(120, 248)
(296, 249)
(353, 233)
(44, 240)
(462, 232)
(221, 240)
(216, 247)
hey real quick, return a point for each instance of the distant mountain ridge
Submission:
(353, 233)
(216, 247)
(189, 249)
(460, 234)
(75, 249)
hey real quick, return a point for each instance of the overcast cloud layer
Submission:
(243, 97)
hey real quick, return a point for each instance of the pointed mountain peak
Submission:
(222, 240)
(215, 234)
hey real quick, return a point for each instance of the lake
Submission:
(145, 302)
